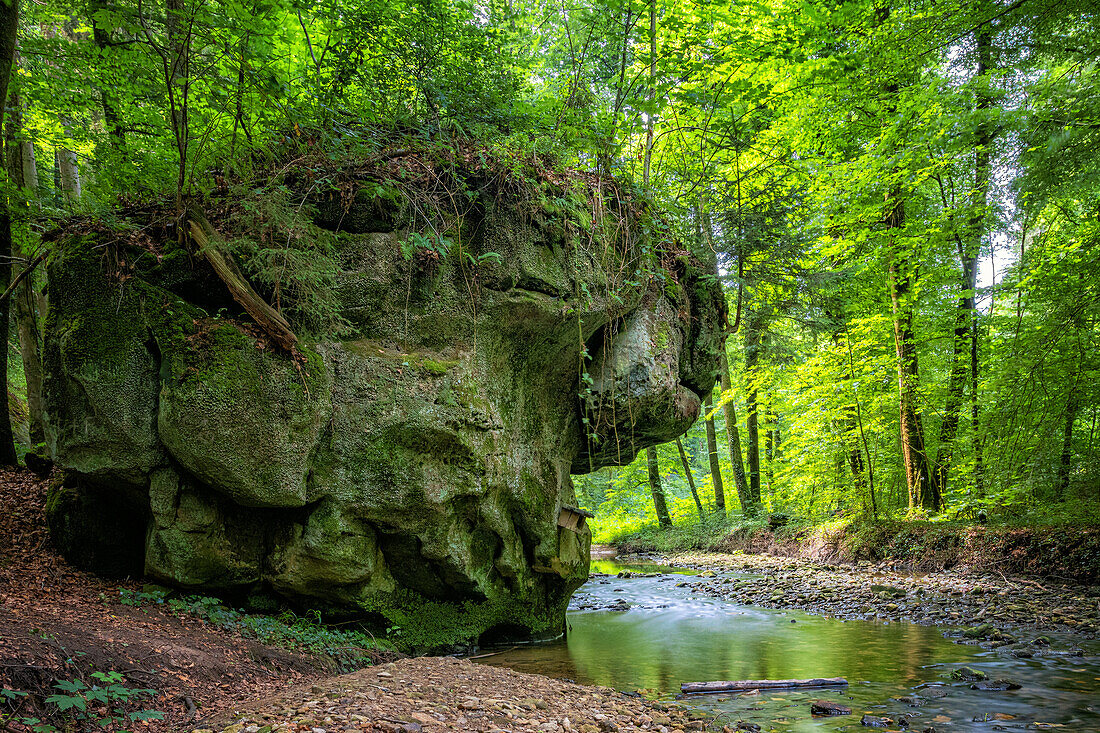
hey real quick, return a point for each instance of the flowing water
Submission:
(670, 635)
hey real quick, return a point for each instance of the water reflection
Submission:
(670, 635)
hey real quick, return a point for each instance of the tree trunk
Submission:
(771, 450)
(752, 359)
(975, 415)
(855, 457)
(957, 383)
(1065, 462)
(964, 359)
(68, 168)
(652, 90)
(659, 504)
(712, 450)
(178, 73)
(9, 27)
(983, 175)
(917, 479)
(104, 43)
(23, 175)
(733, 436)
(690, 479)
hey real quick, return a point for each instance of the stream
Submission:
(669, 635)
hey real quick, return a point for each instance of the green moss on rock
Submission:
(412, 474)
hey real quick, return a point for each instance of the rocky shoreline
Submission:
(996, 609)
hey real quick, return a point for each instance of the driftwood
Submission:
(269, 319)
(737, 686)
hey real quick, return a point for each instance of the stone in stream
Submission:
(968, 674)
(873, 721)
(888, 591)
(979, 632)
(412, 469)
(825, 707)
(995, 685)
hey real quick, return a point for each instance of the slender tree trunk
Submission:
(23, 175)
(715, 468)
(771, 451)
(975, 416)
(964, 359)
(960, 368)
(652, 90)
(177, 24)
(68, 168)
(1065, 461)
(659, 504)
(104, 44)
(9, 27)
(917, 479)
(690, 479)
(733, 435)
(753, 335)
(855, 458)
(983, 175)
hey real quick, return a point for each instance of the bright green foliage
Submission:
(788, 137)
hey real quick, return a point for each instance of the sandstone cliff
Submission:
(411, 470)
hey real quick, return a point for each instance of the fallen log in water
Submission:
(735, 686)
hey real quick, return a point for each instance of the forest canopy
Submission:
(902, 201)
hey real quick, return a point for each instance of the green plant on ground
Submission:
(103, 705)
(348, 649)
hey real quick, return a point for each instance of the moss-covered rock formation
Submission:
(412, 472)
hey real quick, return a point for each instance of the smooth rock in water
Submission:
(979, 632)
(872, 721)
(825, 707)
(968, 674)
(412, 470)
(995, 685)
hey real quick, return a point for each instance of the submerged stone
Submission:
(411, 472)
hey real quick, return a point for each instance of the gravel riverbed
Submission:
(429, 694)
(985, 602)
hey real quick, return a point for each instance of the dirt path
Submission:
(984, 601)
(60, 624)
(442, 693)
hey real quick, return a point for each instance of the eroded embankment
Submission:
(1064, 553)
(986, 603)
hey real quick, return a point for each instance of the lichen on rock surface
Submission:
(410, 470)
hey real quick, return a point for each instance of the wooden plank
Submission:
(734, 686)
(572, 519)
(583, 512)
